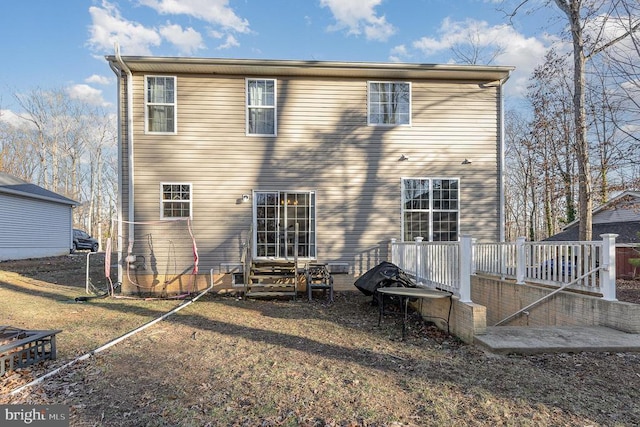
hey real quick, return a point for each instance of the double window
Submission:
(430, 209)
(175, 201)
(389, 103)
(261, 107)
(160, 102)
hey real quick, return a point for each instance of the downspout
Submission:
(118, 73)
(130, 216)
(501, 210)
(501, 214)
(502, 219)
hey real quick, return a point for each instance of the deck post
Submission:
(473, 248)
(465, 261)
(608, 272)
(418, 258)
(394, 255)
(520, 261)
(295, 261)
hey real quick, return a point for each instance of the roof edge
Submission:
(138, 63)
(60, 199)
(604, 205)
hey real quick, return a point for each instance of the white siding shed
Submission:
(34, 222)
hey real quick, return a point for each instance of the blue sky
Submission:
(48, 44)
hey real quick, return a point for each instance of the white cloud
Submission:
(108, 27)
(501, 43)
(96, 79)
(359, 17)
(11, 118)
(399, 53)
(215, 34)
(213, 11)
(187, 40)
(86, 93)
(229, 43)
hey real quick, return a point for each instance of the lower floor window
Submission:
(430, 209)
(175, 200)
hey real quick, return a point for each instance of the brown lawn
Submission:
(224, 361)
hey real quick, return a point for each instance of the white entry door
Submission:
(276, 214)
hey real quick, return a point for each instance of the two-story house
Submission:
(242, 153)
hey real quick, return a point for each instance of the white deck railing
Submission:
(586, 266)
(442, 265)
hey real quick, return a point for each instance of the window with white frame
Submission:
(430, 209)
(261, 107)
(160, 100)
(175, 200)
(389, 103)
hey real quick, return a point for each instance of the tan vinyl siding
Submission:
(323, 144)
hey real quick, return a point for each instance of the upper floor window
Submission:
(389, 103)
(175, 200)
(160, 100)
(261, 107)
(430, 209)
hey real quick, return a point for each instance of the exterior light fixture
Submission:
(403, 158)
(466, 162)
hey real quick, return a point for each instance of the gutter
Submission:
(131, 186)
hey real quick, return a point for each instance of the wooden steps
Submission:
(281, 278)
(273, 279)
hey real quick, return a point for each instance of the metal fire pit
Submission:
(21, 347)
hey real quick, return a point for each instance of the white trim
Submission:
(274, 107)
(386, 125)
(190, 201)
(174, 104)
(431, 210)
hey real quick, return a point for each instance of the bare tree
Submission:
(588, 22)
(476, 49)
(67, 146)
(611, 148)
(520, 179)
(551, 134)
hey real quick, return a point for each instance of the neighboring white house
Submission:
(34, 222)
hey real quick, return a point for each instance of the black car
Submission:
(82, 240)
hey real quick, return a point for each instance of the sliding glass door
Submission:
(276, 214)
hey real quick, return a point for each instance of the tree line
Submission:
(68, 146)
(579, 142)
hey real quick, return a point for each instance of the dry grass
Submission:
(228, 362)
